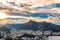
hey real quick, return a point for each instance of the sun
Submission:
(3, 15)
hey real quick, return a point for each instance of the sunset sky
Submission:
(37, 11)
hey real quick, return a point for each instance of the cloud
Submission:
(34, 3)
(46, 6)
(37, 19)
(57, 5)
(3, 22)
(53, 18)
(18, 21)
(46, 10)
(49, 19)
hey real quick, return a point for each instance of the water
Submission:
(54, 38)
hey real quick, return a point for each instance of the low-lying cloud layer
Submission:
(54, 18)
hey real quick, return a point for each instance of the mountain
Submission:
(32, 25)
(13, 26)
(4, 28)
(43, 26)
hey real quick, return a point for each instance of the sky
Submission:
(35, 10)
